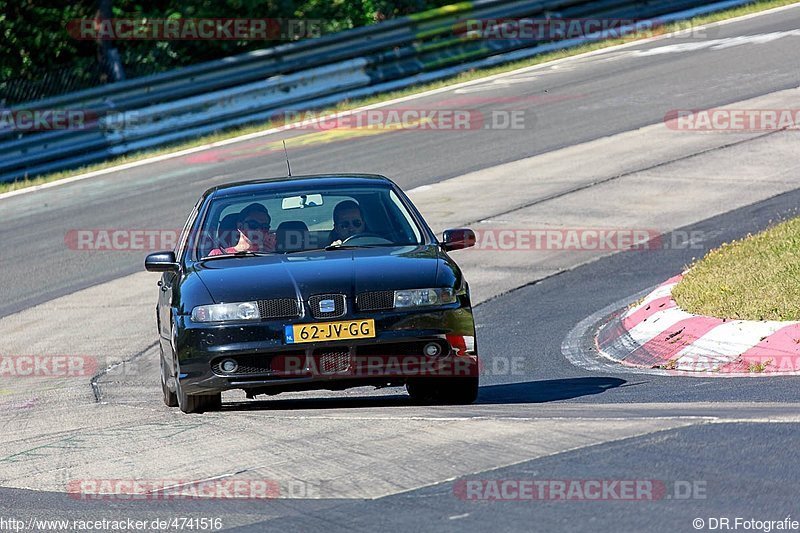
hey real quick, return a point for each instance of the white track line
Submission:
(270, 131)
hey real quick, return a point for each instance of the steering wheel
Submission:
(367, 235)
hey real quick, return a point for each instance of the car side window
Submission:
(181, 246)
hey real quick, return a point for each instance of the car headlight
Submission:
(226, 312)
(419, 297)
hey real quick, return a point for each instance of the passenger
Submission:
(253, 229)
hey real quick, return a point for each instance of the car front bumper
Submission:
(267, 364)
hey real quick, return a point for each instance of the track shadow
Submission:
(399, 399)
(550, 390)
(529, 392)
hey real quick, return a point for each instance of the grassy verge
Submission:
(352, 104)
(757, 278)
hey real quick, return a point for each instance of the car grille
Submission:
(374, 301)
(279, 308)
(332, 361)
(339, 307)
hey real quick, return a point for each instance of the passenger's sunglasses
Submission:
(346, 223)
(256, 225)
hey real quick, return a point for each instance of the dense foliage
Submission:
(38, 53)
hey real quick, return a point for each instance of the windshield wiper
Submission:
(331, 247)
(243, 253)
(300, 250)
(351, 246)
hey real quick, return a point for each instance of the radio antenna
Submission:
(288, 166)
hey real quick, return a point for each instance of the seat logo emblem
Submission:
(327, 306)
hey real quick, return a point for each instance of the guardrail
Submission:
(152, 111)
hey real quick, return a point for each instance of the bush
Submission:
(38, 57)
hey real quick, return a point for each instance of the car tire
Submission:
(170, 398)
(197, 403)
(452, 391)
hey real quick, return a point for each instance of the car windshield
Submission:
(293, 221)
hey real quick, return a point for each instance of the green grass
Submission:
(758, 368)
(352, 104)
(756, 278)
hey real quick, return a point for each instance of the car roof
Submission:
(292, 182)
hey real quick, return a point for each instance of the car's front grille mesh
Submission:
(375, 301)
(339, 307)
(278, 308)
(332, 361)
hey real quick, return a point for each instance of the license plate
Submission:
(330, 331)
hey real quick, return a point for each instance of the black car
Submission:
(313, 282)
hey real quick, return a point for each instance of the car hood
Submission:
(304, 274)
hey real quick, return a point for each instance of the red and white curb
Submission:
(656, 333)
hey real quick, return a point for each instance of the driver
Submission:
(254, 234)
(347, 221)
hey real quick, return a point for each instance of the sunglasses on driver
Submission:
(345, 224)
(256, 225)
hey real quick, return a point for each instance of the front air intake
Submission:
(375, 301)
(279, 308)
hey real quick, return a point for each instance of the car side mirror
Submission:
(161, 262)
(458, 239)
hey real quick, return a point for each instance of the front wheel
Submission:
(197, 403)
(170, 398)
(453, 391)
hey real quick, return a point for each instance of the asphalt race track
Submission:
(370, 460)
(574, 103)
